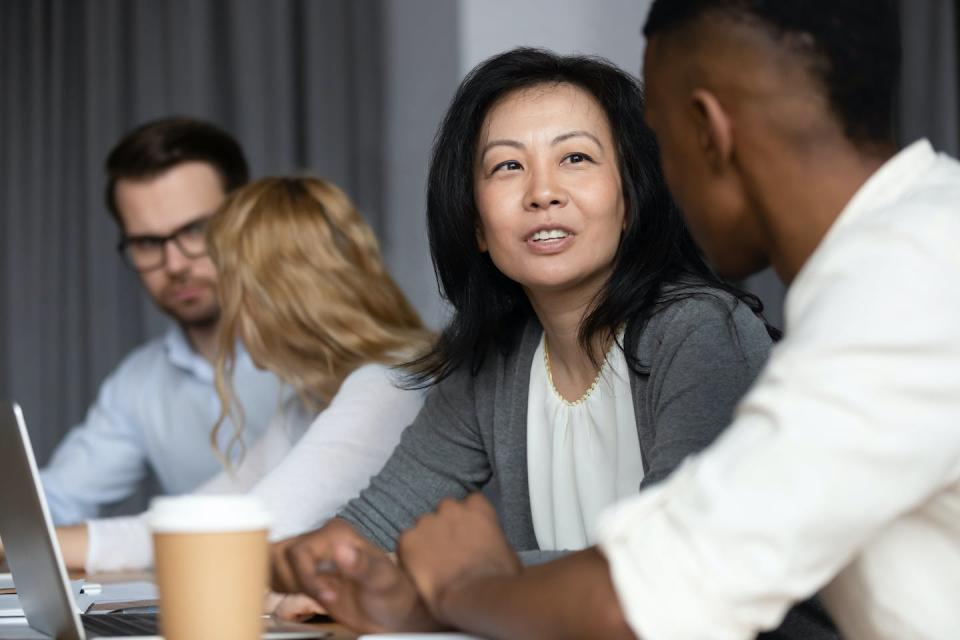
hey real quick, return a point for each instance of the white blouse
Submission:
(582, 456)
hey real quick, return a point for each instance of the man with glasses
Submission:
(155, 411)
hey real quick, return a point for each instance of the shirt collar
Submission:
(895, 177)
(887, 184)
(182, 355)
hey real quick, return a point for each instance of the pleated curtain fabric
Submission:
(297, 81)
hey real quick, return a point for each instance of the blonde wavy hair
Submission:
(302, 284)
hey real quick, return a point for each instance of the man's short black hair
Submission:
(156, 146)
(853, 48)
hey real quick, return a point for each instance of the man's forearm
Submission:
(572, 597)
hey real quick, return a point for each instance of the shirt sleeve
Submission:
(347, 444)
(267, 452)
(441, 454)
(118, 544)
(852, 424)
(99, 462)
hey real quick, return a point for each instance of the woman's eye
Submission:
(576, 158)
(509, 165)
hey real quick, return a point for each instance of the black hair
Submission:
(156, 146)
(852, 48)
(655, 248)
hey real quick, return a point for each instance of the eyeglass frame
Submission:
(174, 236)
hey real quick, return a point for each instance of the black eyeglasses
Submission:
(146, 253)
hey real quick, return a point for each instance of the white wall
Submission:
(421, 73)
(610, 28)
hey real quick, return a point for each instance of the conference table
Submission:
(10, 630)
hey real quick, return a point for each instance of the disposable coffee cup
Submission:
(210, 564)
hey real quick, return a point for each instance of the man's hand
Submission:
(460, 542)
(357, 583)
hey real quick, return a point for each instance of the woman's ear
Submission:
(714, 129)
(481, 240)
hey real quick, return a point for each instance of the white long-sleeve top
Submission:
(302, 475)
(842, 467)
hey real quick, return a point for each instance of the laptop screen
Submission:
(26, 529)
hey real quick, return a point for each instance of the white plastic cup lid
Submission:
(207, 514)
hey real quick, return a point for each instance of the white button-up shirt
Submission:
(842, 467)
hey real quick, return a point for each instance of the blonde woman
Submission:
(302, 284)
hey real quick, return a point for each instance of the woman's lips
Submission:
(551, 246)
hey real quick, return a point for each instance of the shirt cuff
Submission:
(118, 544)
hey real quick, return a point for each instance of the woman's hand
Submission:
(356, 582)
(74, 542)
(296, 607)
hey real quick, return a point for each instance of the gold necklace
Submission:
(586, 394)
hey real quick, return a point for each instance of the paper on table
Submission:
(419, 636)
(10, 603)
(10, 606)
(7, 586)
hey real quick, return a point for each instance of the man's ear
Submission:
(714, 129)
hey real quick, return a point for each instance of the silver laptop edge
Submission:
(26, 529)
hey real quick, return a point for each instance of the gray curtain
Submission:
(930, 87)
(298, 82)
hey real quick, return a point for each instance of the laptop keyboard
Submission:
(114, 625)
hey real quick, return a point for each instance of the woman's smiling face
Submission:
(548, 190)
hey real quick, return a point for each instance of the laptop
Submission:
(33, 554)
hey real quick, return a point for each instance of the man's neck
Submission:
(203, 340)
(803, 198)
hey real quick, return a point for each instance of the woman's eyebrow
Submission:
(560, 138)
(576, 134)
(500, 143)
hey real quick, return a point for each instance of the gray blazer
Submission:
(702, 354)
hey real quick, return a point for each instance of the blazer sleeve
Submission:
(441, 454)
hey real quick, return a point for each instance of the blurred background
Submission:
(351, 90)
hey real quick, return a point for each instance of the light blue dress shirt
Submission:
(154, 411)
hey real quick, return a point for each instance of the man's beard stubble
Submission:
(193, 319)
